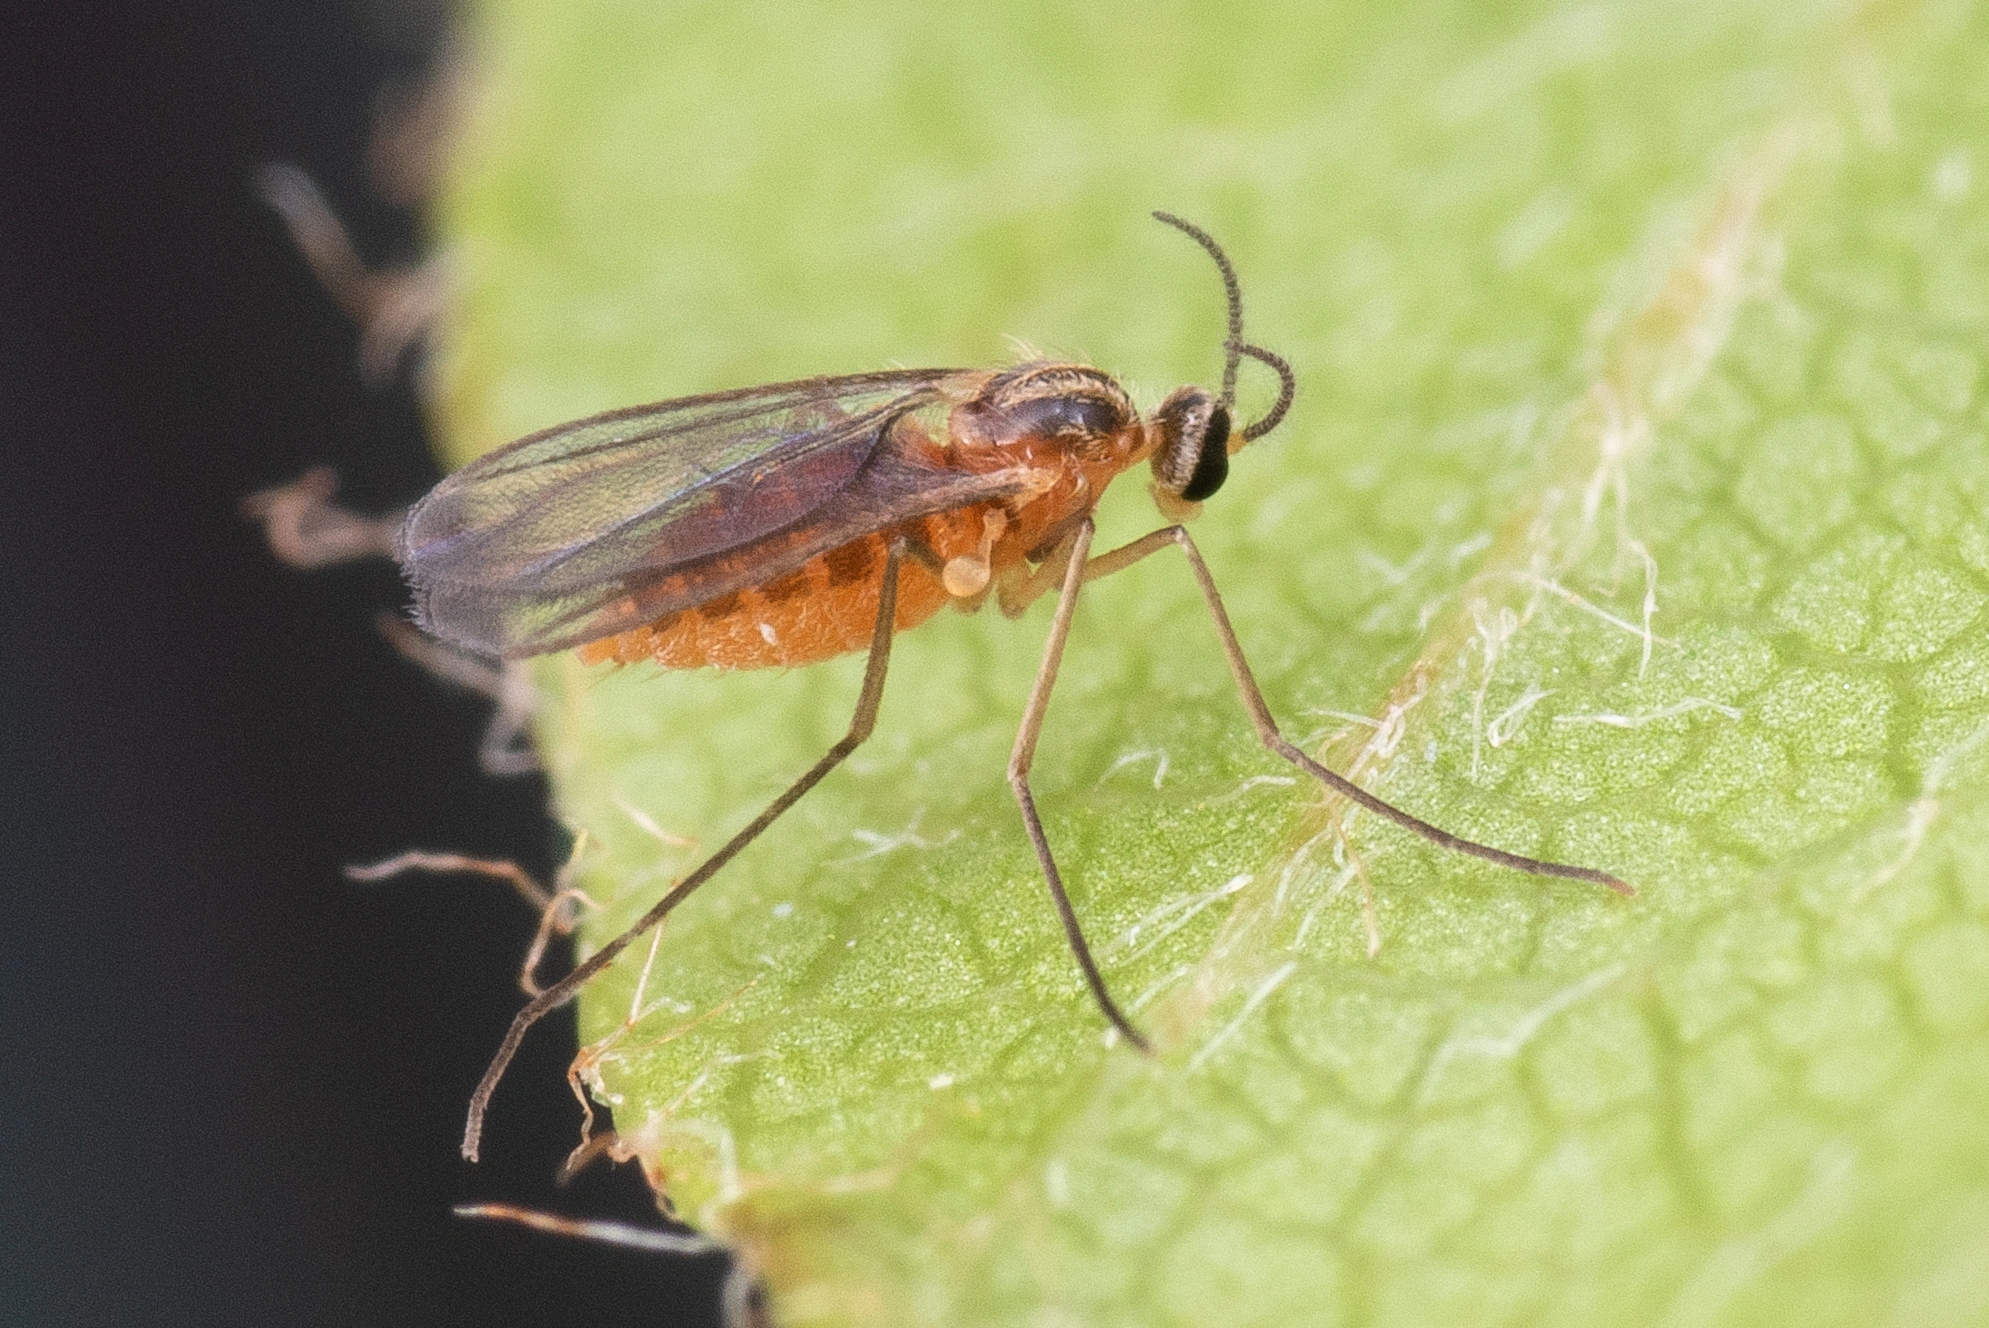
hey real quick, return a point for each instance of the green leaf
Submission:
(1636, 489)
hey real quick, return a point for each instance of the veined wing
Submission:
(893, 487)
(581, 512)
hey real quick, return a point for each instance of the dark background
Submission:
(233, 1082)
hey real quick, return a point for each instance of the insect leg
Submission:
(1119, 559)
(864, 720)
(1018, 595)
(1024, 755)
(1269, 734)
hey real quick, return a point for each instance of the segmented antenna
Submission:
(1234, 346)
(1287, 389)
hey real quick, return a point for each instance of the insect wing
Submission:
(893, 488)
(539, 532)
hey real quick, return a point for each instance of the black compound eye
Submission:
(1212, 466)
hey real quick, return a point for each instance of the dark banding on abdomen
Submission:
(792, 586)
(852, 562)
(723, 607)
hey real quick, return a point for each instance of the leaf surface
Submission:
(1632, 512)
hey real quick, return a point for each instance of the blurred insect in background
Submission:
(791, 523)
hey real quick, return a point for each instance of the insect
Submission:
(791, 523)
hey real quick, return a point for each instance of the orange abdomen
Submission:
(824, 608)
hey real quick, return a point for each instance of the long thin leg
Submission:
(1269, 734)
(1024, 755)
(567, 987)
(1018, 594)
